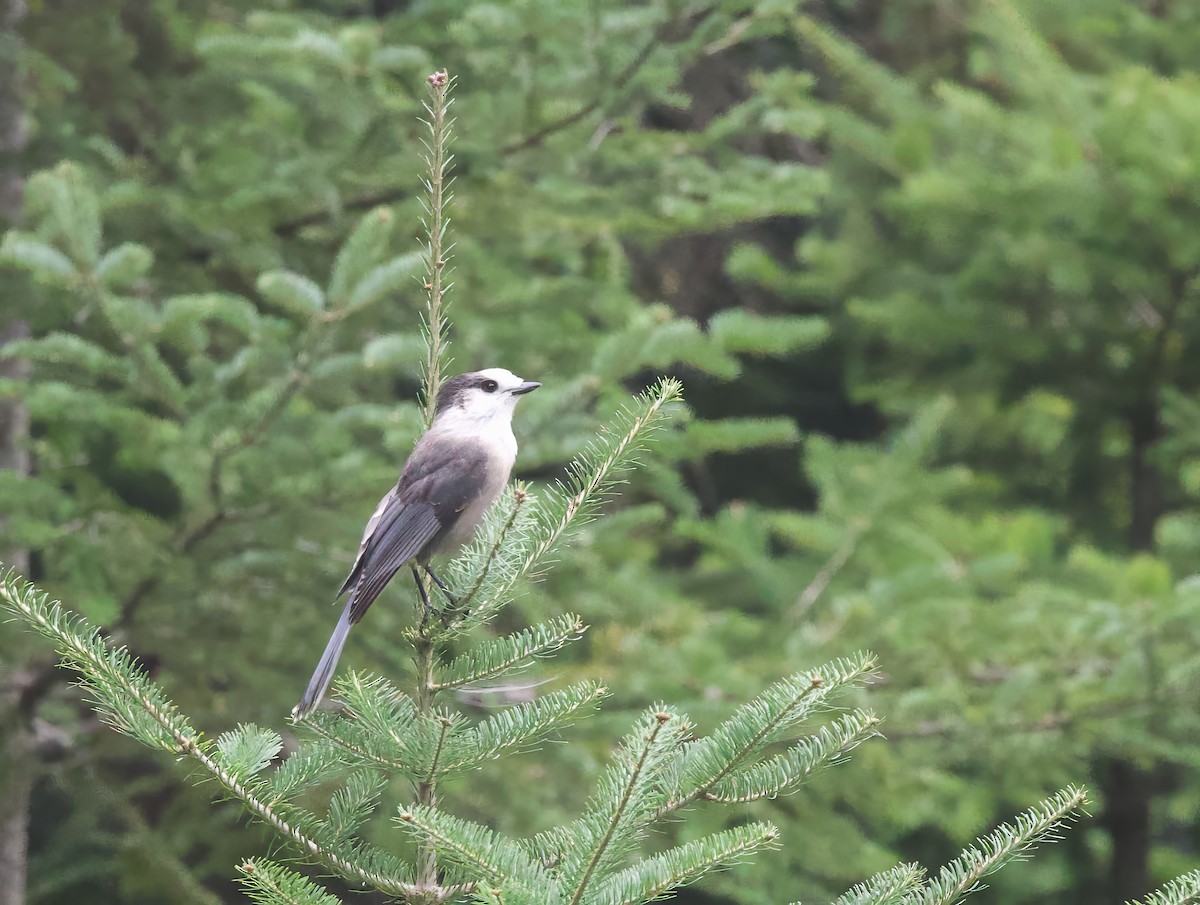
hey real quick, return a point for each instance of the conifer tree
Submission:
(383, 731)
(242, 147)
(606, 191)
(1004, 253)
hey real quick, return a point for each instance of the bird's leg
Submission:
(441, 584)
(424, 596)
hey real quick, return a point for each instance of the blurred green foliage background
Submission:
(928, 270)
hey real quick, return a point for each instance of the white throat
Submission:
(489, 427)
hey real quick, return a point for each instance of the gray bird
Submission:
(456, 471)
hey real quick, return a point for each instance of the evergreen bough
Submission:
(660, 768)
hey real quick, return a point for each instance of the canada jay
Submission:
(455, 472)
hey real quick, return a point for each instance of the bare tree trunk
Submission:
(16, 783)
(1128, 796)
(16, 743)
(1129, 790)
(16, 754)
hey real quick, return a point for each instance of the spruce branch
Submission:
(756, 724)
(673, 29)
(684, 864)
(265, 408)
(484, 853)
(670, 30)
(1184, 890)
(357, 745)
(886, 888)
(905, 456)
(492, 558)
(437, 743)
(436, 203)
(248, 750)
(495, 657)
(385, 712)
(1007, 842)
(833, 565)
(128, 700)
(316, 762)
(357, 276)
(153, 373)
(272, 884)
(523, 724)
(135, 705)
(380, 726)
(887, 94)
(437, 253)
(783, 773)
(353, 804)
(624, 802)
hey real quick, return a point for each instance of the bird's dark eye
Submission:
(489, 386)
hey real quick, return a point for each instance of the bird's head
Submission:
(481, 396)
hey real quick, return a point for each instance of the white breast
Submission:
(501, 449)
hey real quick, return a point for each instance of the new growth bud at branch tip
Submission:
(438, 79)
(817, 681)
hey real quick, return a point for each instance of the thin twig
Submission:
(812, 593)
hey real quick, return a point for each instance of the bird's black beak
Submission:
(527, 387)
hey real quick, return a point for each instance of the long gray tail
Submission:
(323, 675)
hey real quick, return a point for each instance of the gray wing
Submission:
(402, 533)
(389, 501)
(437, 484)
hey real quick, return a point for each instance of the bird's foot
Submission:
(450, 595)
(427, 609)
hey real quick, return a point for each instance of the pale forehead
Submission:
(500, 375)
